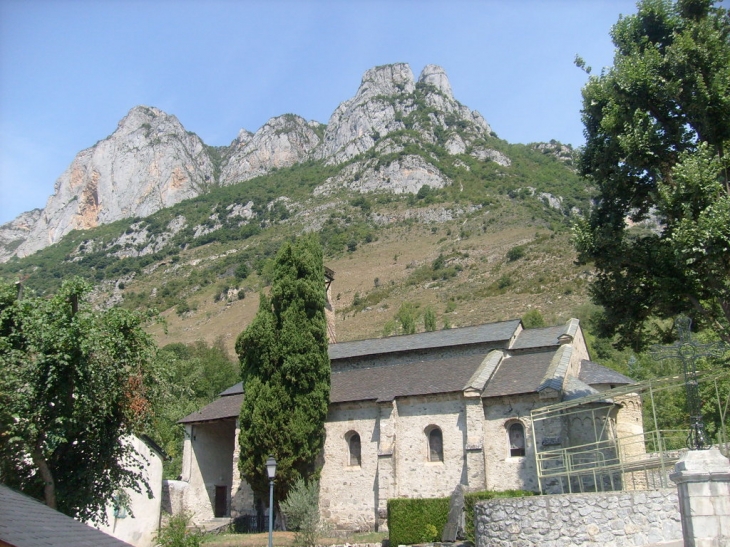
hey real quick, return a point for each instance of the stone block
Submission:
(705, 526)
(699, 506)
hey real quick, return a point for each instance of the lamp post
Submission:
(271, 472)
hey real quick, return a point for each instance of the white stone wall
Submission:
(506, 472)
(416, 476)
(349, 493)
(140, 526)
(207, 463)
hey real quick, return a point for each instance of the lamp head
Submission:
(271, 467)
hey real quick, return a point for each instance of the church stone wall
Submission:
(207, 457)
(579, 353)
(506, 472)
(416, 476)
(349, 493)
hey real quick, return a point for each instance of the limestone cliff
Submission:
(281, 142)
(15, 232)
(389, 100)
(148, 163)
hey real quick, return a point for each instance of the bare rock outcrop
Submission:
(282, 142)
(387, 101)
(15, 232)
(148, 163)
(404, 175)
(357, 124)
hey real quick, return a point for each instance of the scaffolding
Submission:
(615, 459)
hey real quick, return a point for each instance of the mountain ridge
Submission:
(417, 205)
(151, 162)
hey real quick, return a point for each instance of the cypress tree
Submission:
(286, 372)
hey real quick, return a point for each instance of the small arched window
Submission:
(516, 432)
(353, 445)
(435, 445)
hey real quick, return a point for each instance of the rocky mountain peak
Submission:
(386, 80)
(146, 117)
(280, 142)
(436, 76)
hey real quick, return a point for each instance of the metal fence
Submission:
(615, 460)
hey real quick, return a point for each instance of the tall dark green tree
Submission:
(286, 372)
(657, 127)
(73, 382)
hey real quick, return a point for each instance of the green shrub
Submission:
(515, 253)
(429, 319)
(301, 509)
(416, 520)
(472, 498)
(533, 319)
(504, 281)
(177, 534)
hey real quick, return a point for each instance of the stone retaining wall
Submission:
(606, 519)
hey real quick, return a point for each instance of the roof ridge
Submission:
(484, 372)
(555, 374)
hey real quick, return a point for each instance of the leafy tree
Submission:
(406, 316)
(75, 381)
(533, 319)
(286, 372)
(193, 375)
(429, 319)
(657, 128)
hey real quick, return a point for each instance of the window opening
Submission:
(516, 440)
(435, 445)
(354, 448)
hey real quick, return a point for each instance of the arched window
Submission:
(516, 432)
(435, 445)
(353, 444)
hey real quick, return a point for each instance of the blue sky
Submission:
(71, 69)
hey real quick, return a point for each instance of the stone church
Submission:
(414, 416)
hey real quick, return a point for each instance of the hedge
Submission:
(416, 520)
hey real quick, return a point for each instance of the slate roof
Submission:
(26, 522)
(233, 390)
(480, 334)
(539, 338)
(522, 373)
(575, 389)
(220, 409)
(592, 373)
(419, 378)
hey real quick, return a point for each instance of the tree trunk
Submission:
(49, 488)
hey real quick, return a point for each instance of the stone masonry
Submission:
(605, 519)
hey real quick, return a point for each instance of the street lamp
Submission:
(271, 472)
